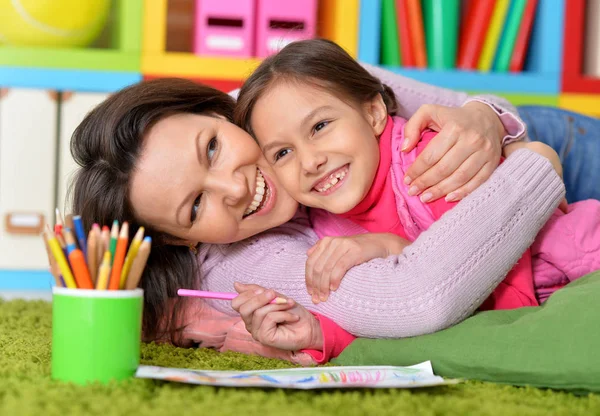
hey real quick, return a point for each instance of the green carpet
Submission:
(26, 387)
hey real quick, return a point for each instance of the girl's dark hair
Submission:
(106, 145)
(319, 62)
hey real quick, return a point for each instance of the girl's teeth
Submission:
(333, 180)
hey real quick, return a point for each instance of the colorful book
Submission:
(474, 28)
(517, 61)
(509, 35)
(406, 47)
(591, 65)
(492, 37)
(369, 34)
(390, 46)
(417, 33)
(441, 32)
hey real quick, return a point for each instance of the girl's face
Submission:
(202, 179)
(323, 150)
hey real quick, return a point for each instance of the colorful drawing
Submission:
(419, 375)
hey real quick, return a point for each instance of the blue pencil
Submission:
(80, 233)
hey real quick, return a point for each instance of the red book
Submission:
(406, 47)
(473, 31)
(417, 33)
(517, 60)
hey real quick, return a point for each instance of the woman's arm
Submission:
(438, 281)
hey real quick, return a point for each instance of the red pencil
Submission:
(473, 31)
(120, 252)
(406, 47)
(517, 60)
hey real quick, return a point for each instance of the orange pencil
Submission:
(135, 274)
(120, 251)
(92, 255)
(77, 261)
(104, 272)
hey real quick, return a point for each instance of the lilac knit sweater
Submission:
(440, 279)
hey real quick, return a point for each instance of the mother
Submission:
(164, 154)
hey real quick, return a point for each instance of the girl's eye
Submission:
(320, 125)
(281, 154)
(195, 207)
(211, 148)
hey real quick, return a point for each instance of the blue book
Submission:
(369, 31)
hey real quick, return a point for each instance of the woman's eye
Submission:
(195, 207)
(281, 154)
(211, 148)
(320, 125)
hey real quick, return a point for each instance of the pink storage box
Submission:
(279, 22)
(225, 28)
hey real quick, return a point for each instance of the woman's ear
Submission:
(376, 112)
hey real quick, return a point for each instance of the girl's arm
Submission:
(438, 281)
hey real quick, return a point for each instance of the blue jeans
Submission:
(576, 139)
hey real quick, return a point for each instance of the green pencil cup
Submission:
(96, 334)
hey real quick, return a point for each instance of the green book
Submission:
(390, 43)
(441, 19)
(509, 35)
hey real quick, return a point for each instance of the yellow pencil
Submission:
(133, 250)
(135, 273)
(61, 260)
(53, 266)
(104, 272)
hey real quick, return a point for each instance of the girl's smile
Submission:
(332, 181)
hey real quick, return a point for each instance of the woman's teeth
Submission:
(259, 195)
(333, 179)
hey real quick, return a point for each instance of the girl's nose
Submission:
(312, 162)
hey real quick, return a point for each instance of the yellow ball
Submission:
(52, 23)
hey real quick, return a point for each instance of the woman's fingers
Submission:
(456, 169)
(480, 177)
(439, 146)
(424, 117)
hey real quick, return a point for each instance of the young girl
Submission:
(329, 129)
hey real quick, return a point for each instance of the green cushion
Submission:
(556, 345)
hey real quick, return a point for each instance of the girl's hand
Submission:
(461, 157)
(286, 326)
(330, 259)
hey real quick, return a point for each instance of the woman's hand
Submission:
(463, 154)
(330, 259)
(287, 326)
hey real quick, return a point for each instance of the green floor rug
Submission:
(26, 387)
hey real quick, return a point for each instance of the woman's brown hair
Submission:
(106, 146)
(319, 62)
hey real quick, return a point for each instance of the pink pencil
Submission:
(219, 295)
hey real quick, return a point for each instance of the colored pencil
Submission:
(69, 221)
(517, 61)
(220, 295)
(104, 272)
(71, 244)
(114, 235)
(60, 258)
(406, 47)
(492, 38)
(415, 17)
(135, 274)
(474, 29)
(133, 249)
(54, 270)
(80, 233)
(105, 238)
(509, 35)
(390, 45)
(92, 254)
(80, 269)
(120, 252)
(59, 222)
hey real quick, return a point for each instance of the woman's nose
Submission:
(234, 189)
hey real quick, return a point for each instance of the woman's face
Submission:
(202, 179)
